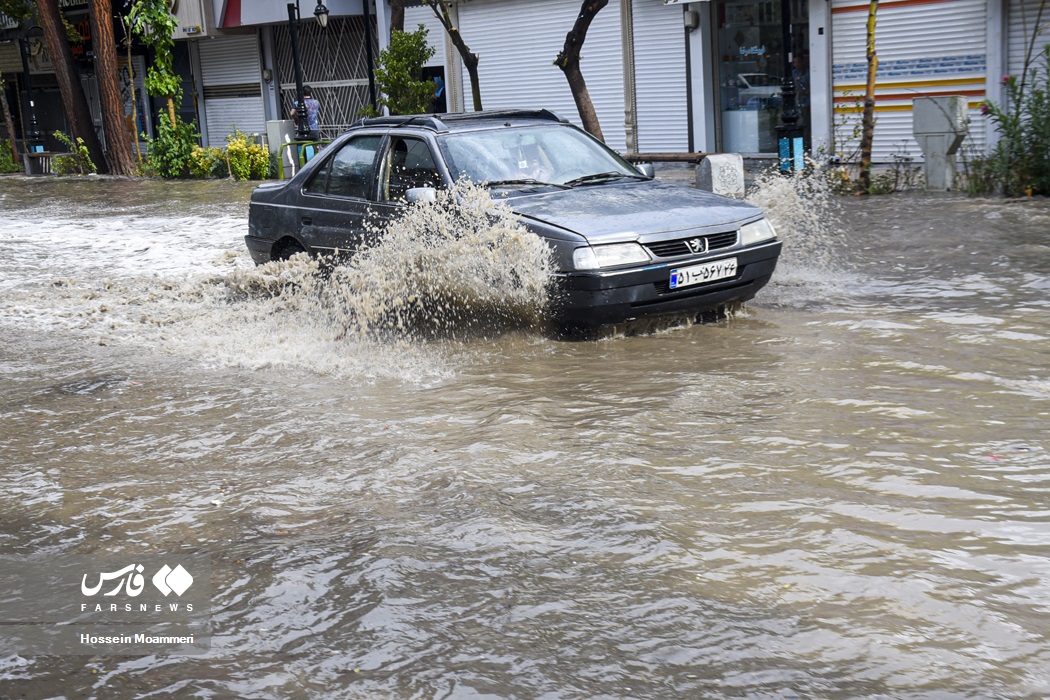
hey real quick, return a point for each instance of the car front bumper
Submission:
(591, 299)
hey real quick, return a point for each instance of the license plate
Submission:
(706, 272)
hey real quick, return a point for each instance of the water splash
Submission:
(805, 212)
(803, 209)
(460, 264)
(459, 267)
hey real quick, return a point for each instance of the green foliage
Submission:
(78, 162)
(242, 159)
(399, 73)
(72, 33)
(7, 161)
(979, 175)
(368, 111)
(844, 177)
(902, 176)
(273, 166)
(151, 21)
(170, 154)
(1020, 162)
(248, 160)
(17, 9)
(207, 162)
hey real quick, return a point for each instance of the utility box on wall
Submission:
(940, 125)
(280, 133)
(194, 18)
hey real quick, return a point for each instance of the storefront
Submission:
(49, 110)
(926, 48)
(1028, 29)
(230, 76)
(750, 62)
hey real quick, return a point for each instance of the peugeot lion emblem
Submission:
(697, 245)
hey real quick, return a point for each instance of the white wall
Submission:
(820, 94)
(517, 43)
(273, 11)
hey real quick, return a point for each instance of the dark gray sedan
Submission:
(624, 245)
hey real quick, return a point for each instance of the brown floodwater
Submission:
(841, 491)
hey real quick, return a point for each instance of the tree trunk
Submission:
(121, 161)
(440, 8)
(867, 133)
(584, 106)
(471, 62)
(73, 99)
(568, 60)
(8, 120)
(134, 97)
(397, 16)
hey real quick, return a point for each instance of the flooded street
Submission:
(843, 491)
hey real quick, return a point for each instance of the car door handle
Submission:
(307, 221)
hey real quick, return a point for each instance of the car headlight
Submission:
(756, 232)
(594, 257)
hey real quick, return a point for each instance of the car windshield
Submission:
(533, 155)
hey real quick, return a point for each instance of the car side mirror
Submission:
(420, 194)
(646, 169)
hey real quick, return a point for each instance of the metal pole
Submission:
(789, 130)
(302, 127)
(33, 132)
(368, 53)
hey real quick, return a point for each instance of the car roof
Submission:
(465, 121)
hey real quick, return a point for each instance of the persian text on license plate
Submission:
(707, 272)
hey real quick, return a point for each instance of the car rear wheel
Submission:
(286, 249)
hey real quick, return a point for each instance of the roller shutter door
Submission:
(925, 48)
(1022, 25)
(660, 85)
(415, 16)
(231, 75)
(10, 60)
(518, 41)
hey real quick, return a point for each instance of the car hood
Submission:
(631, 211)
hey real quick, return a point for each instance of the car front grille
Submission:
(670, 249)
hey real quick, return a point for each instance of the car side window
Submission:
(408, 164)
(351, 169)
(319, 182)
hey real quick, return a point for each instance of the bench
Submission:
(663, 157)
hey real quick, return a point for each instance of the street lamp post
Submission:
(34, 144)
(302, 129)
(790, 142)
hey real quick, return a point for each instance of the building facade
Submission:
(664, 75)
(235, 59)
(243, 64)
(668, 75)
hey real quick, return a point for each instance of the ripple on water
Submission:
(838, 493)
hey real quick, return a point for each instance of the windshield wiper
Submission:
(601, 177)
(524, 181)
